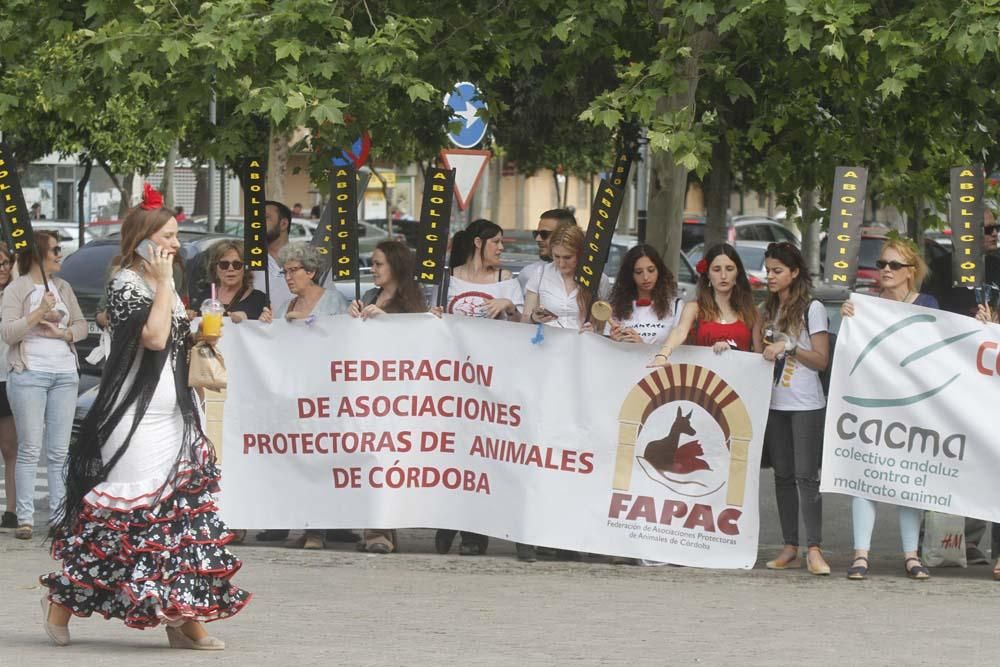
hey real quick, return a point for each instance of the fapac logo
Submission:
(686, 429)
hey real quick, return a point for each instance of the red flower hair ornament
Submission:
(701, 267)
(151, 199)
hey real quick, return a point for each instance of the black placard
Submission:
(435, 218)
(603, 218)
(254, 215)
(619, 173)
(343, 224)
(17, 222)
(966, 217)
(847, 212)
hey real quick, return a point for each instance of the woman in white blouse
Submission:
(553, 296)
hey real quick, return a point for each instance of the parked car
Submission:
(67, 232)
(752, 255)
(738, 228)
(869, 277)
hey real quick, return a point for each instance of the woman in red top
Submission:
(723, 315)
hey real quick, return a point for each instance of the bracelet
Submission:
(660, 354)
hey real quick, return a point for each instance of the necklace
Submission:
(905, 299)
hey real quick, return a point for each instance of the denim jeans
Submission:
(794, 439)
(43, 405)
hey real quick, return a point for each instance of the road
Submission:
(417, 608)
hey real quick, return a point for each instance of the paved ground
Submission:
(417, 608)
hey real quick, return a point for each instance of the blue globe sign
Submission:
(465, 100)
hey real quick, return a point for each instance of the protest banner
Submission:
(847, 211)
(13, 211)
(908, 418)
(600, 230)
(435, 220)
(461, 423)
(965, 215)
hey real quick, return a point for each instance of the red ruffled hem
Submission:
(188, 613)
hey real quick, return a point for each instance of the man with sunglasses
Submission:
(547, 223)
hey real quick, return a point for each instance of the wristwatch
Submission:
(791, 347)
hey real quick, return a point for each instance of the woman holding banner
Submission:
(301, 263)
(479, 287)
(902, 271)
(395, 291)
(645, 307)
(139, 535)
(792, 332)
(723, 314)
(986, 314)
(553, 295)
(41, 322)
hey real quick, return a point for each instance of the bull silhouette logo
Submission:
(692, 429)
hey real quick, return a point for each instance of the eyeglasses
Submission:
(291, 271)
(4, 265)
(893, 265)
(991, 229)
(225, 264)
(542, 234)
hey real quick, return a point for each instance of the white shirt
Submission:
(648, 324)
(469, 299)
(529, 274)
(799, 387)
(49, 355)
(279, 288)
(552, 296)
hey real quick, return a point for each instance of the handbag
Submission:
(206, 367)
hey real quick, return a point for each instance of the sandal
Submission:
(858, 572)
(918, 571)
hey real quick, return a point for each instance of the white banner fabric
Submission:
(461, 423)
(910, 416)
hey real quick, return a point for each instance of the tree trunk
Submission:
(169, 169)
(126, 196)
(277, 164)
(810, 231)
(81, 189)
(555, 182)
(668, 183)
(718, 186)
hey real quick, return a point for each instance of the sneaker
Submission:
(975, 556)
(9, 520)
(526, 553)
(23, 532)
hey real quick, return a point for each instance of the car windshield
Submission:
(752, 256)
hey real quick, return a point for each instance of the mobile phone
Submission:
(544, 312)
(145, 249)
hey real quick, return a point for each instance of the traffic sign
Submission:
(469, 167)
(465, 101)
(357, 154)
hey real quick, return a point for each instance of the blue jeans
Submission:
(43, 405)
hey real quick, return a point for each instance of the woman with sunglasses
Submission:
(902, 272)
(792, 333)
(723, 314)
(8, 436)
(233, 283)
(41, 326)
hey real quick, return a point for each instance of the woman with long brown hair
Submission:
(723, 315)
(644, 303)
(792, 333)
(553, 296)
(8, 436)
(139, 535)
